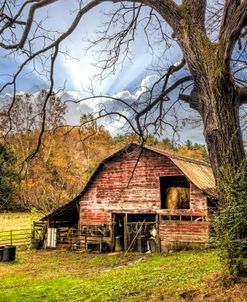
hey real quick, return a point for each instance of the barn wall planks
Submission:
(111, 192)
(189, 233)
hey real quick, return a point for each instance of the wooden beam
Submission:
(125, 232)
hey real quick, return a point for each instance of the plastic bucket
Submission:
(36, 243)
(118, 243)
(153, 245)
(142, 244)
(9, 253)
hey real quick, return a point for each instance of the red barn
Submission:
(141, 199)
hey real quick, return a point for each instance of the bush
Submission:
(230, 224)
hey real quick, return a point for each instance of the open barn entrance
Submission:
(136, 232)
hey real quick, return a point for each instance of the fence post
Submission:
(11, 237)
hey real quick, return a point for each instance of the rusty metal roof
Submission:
(198, 174)
(197, 171)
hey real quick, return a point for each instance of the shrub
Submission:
(230, 224)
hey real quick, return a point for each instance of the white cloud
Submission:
(125, 95)
(76, 106)
(146, 84)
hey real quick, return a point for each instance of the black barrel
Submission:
(1, 253)
(9, 253)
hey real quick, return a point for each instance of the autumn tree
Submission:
(210, 78)
(193, 150)
(20, 130)
(64, 161)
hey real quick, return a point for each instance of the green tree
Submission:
(189, 144)
(8, 179)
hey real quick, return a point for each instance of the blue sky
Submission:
(77, 73)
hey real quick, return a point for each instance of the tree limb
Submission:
(53, 59)
(231, 31)
(169, 10)
(28, 23)
(229, 10)
(243, 95)
(160, 99)
(184, 97)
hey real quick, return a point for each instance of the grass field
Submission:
(17, 221)
(71, 276)
(56, 275)
(15, 228)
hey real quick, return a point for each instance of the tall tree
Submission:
(8, 179)
(211, 36)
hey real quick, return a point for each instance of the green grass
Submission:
(16, 226)
(70, 276)
(55, 275)
(17, 221)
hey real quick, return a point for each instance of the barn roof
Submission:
(197, 171)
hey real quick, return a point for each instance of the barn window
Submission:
(174, 192)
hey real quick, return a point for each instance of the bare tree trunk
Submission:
(217, 101)
(216, 98)
(223, 136)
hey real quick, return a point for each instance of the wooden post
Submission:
(113, 233)
(125, 232)
(158, 233)
(11, 237)
(100, 245)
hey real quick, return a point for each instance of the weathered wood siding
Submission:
(183, 232)
(110, 192)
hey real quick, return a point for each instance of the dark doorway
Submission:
(118, 220)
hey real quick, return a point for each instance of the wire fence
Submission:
(20, 237)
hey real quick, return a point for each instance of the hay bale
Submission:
(172, 198)
(177, 198)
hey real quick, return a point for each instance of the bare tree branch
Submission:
(28, 23)
(169, 10)
(53, 59)
(160, 98)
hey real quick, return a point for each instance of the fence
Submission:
(15, 237)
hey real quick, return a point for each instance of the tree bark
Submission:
(214, 96)
(217, 99)
(223, 135)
